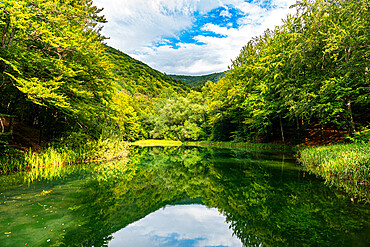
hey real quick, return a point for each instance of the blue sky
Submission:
(188, 37)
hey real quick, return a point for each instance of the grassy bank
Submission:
(71, 150)
(346, 166)
(151, 143)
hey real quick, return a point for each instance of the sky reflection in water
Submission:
(180, 225)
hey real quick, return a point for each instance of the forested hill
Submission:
(136, 77)
(58, 78)
(199, 80)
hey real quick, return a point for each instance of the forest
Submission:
(60, 80)
(199, 81)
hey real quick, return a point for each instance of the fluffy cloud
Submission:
(152, 30)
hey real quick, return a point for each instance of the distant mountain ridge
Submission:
(195, 81)
(136, 77)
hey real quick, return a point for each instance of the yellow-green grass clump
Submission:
(346, 166)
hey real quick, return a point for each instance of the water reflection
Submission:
(180, 225)
(265, 199)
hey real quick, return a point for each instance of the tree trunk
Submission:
(2, 125)
(21, 113)
(11, 125)
(40, 136)
(297, 120)
(5, 30)
(282, 130)
(352, 123)
(11, 37)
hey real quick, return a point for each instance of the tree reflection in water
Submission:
(266, 199)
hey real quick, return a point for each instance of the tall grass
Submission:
(11, 160)
(344, 165)
(71, 150)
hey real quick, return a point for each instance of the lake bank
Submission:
(345, 166)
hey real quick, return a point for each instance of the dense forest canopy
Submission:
(138, 78)
(199, 80)
(53, 66)
(313, 70)
(58, 76)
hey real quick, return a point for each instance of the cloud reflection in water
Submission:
(180, 225)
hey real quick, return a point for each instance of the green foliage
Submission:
(178, 118)
(196, 81)
(75, 148)
(136, 77)
(53, 66)
(59, 77)
(129, 110)
(311, 70)
(361, 136)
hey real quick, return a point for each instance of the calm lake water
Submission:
(176, 196)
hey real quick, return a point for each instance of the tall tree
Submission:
(52, 56)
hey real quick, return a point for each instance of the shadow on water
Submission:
(266, 199)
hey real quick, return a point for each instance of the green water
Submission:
(179, 197)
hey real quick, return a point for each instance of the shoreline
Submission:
(344, 166)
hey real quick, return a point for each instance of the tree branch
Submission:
(5, 30)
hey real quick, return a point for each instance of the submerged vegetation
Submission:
(345, 166)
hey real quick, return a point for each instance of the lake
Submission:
(180, 196)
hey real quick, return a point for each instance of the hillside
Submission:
(136, 77)
(198, 80)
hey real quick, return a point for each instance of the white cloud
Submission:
(134, 24)
(137, 27)
(225, 13)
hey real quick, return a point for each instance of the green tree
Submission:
(179, 118)
(312, 70)
(52, 60)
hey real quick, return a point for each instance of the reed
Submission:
(346, 166)
(11, 161)
(65, 152)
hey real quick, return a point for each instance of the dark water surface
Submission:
(179, 197)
